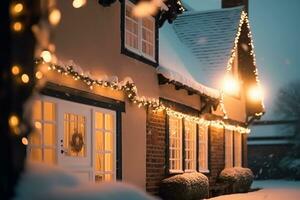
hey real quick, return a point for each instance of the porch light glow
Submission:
(255, 93)
(230, 85)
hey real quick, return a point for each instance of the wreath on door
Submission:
(77, 142)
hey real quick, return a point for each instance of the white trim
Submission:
(140, 39)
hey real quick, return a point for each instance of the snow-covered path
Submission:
(273, 190)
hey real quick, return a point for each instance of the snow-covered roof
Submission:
(195, 49)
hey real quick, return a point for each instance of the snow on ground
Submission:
(272, 190)
(41, 181)
(277, 184)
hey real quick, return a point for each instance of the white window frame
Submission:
(201, 169)
(139, 51)
(181, 150)
(229, 135)
(195, 147)
(42, 146)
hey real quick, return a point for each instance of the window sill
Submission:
(176, 171)
(204, 171)
(138, 56)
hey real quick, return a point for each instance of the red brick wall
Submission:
(216, 154)
(155, 150)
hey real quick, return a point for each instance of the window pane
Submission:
(99, 120)
(190, 148)
(49, 156)
(108, 162)
(108, 122)
(49, 111)
(108, 177)
(99, 162)
(175, 132)
(37, 110)
(36, 154)
(108, 141)
(49, 134)
(203, 160)
(35, 138)
(99, 141)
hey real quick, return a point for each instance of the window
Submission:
(228, 148)
(237, 149)
(139, 33)
(104, 147)
(190, 145)
(42, 142)
(175, 144)
(184, 147)
(203, 149)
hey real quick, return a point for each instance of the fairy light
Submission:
(130, 90)
(17, 26)
(13, 121)
(15, 70)
(25, 78)
(38, 125)
(39, 75)
(17, 9)
(54, 17)
(46, 55)
(78, 3)
(24, 141)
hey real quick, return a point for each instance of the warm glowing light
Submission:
(17, 9)
(17, 26)
(256, 93)
(13, 121)
(24, 141)
(46, 55)
(38, 125)
(78, 3)
(39, 75)
(15, 70)
(230, 85)
(25, 78)
(54, 17)
(144, 9)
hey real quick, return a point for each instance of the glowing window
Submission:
(42, 142)
(175, 144)
(139, 33)
(203, 148)
(190, 145)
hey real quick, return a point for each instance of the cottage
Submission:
(140, 99)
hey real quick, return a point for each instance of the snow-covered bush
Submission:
(238, 177)
(187, 186)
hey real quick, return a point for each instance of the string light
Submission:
(38, 125)
(17, 26)
(78, 3)
(46, 55)
(15, 70)
(39, 75)
(54, 17)
(13, 121)
(17, 9)
(130, 90)
(25, 78)
(24, 141)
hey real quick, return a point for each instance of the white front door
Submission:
(74, 138)
(77, 137)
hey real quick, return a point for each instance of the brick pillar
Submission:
(245, 150)
(155, 150)
(216, 153)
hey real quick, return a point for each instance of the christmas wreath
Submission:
(77, 142)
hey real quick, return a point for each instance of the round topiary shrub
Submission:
(239, 178)
(187, 186)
